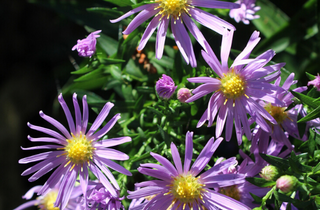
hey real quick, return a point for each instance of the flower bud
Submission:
(165, 87)
(183, 94)
(287, 183)
(269, 173)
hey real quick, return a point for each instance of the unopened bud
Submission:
(269, 173)
(165, 87)
(183, 94)
(287, 183)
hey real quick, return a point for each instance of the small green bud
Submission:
(287, 183)
(270, 173)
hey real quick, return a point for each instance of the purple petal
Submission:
(155, 173)
(221, 118)
(67, 113)
(176, 157)
(85, 114)
(211, 21)
(218, 168)
(143, 192)
(215, 4)
(106, 128)
(142, 17)
(165, 162)
(161, 37)
(115, 166)
(100, 118)
(49, 132)
(135, 10)
(149, 31)
(112, 154)
(188, 152)
(113, 141)
(56, 124)
(225, 49)
(77, 113)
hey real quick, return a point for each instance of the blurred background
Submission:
(36, 61)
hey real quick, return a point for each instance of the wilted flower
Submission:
(315, 82)
(183, 94)
(246, 11)
(180, 187)
(287, 183)
(98, 197)
(76, 151)
(87, 47)
(236, 91)
(179, 13)
(165, 87)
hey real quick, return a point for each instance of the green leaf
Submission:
(316, 168)
(306, 100)
(275, 161)
(271, 18)
(310, 116)
(310, 76)
(260, 182)
(311, 143)
(296, 166)
(122, 3)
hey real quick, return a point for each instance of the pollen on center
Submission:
(276, 112)
(79, 150)
(231, 191)
(47, 202)
(172, 8)
(232, 85)
(186, 188)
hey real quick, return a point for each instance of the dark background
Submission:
(35, 62)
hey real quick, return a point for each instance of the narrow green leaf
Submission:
(260, 182)
(276, 161)
(306, 100)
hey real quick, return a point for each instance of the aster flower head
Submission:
(238, 87)
(315, 82)
(87, 47)
(165, 87)
(246, 12)
(182, 188)
(46, 201)
(179, 14)
(286, 119)
(76, 151)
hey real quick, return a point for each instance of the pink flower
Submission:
(87, 47)
(245, 12)
(315, 82)
(183, 94)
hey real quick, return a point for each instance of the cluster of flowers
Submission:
(241, 90)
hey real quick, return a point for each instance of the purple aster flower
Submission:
(315, 82)
(165, 87)
(235, 92)
(179, 13)
(183, 94)
(286, 120)
(180, 187)
(76, 152)
(98, 197)
(46, 201)
(246, 11)
(87, 47)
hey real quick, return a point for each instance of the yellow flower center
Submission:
(47, 202)
(172, 8)
(276, 112)
(232, 85)
(231, 191)
(186, 189)
(79, 150)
